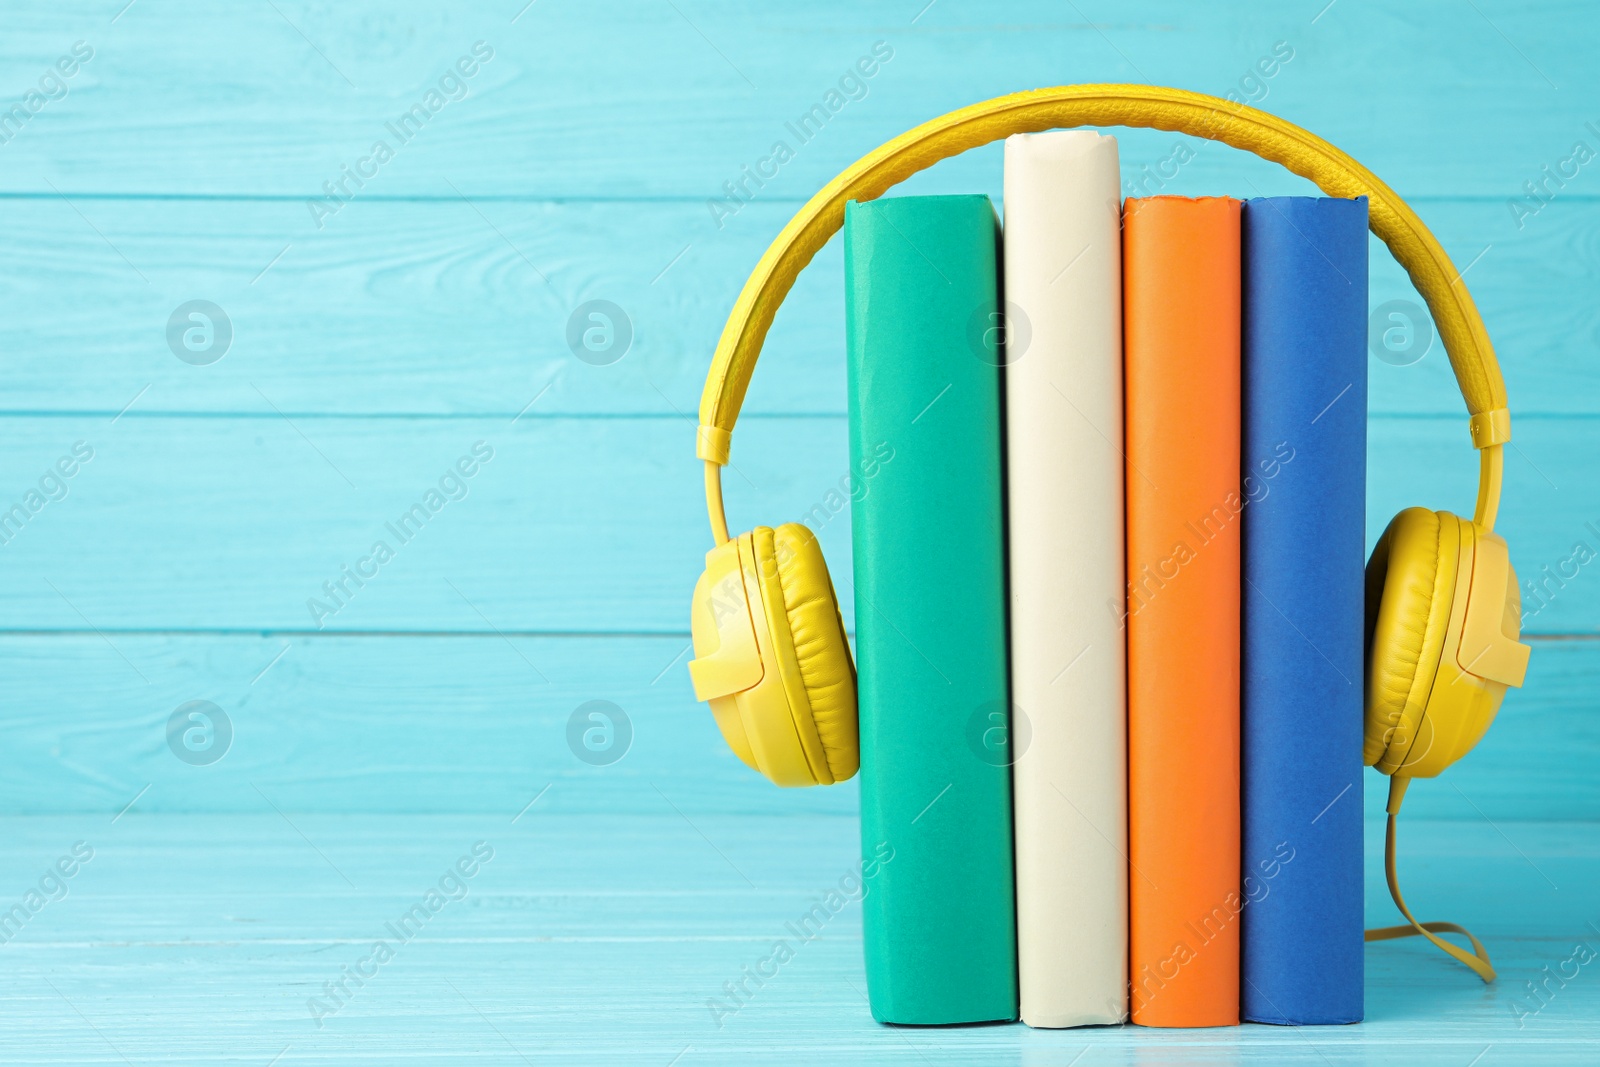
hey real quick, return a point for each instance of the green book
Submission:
(921, 302)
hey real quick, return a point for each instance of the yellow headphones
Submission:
(1443, 609)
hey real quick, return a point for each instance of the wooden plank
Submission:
(410, 308)
(372, 352)
(616, 100)
(433, 308)
(576, 525)
(420, 724)
(1549, 513)
(1553, 712)
(571, 946)
(1526, 284)
(464, 724)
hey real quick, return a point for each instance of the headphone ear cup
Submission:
(813, 653)
(1409, 591)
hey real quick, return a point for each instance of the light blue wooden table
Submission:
(215, 488)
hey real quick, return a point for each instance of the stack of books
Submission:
(1109, 599)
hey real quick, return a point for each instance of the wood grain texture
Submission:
(614, 99)
(462, 723)
(372, 723)
(576, 525)
(601, 939)
(427, 314)
(433, 308)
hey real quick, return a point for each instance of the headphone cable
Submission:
(1478, 958)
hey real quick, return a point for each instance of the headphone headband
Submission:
(1177, 110)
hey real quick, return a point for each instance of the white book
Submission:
(1064, 463)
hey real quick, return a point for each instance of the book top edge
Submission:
(1307, 200)
(1187, 199)
(1081, 140)
(942, 198)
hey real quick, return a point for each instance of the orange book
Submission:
(1180, 262)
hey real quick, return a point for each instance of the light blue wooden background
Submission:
(431, 310)
(430, 313)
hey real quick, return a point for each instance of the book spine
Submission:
(921, 291)
(1063, 388)
(1181, 347)
(1304, 482)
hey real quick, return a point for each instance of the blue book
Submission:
(1304, 489)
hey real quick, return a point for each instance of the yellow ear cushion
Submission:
(821, 650)
(1410, 588)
